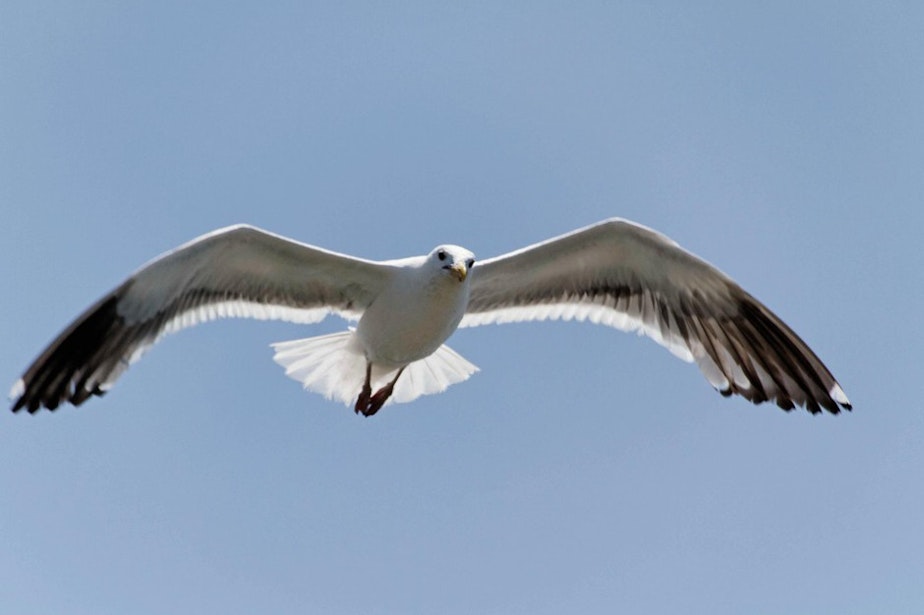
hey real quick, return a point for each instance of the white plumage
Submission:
(614, 273)
(332, 365)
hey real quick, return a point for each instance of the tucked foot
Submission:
(370, 405)
(379, 399)
(362, 402)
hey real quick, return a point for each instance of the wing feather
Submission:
(239, 271)
(632, 278)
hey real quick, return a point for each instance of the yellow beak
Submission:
(459, 270)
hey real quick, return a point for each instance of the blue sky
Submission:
(583, 469)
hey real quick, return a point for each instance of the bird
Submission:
(615, 273)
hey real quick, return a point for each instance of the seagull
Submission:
(615, 273)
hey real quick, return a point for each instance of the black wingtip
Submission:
(61, 374)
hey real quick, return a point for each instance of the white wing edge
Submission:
(239, 309)
(19, 387)
(600, 310)
(641, 319)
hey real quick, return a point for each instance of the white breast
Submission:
(413, 316)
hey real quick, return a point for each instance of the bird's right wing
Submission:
(240, 271)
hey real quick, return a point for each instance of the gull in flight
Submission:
(613, 273)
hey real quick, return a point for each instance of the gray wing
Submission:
(626, 276)
(239, 271)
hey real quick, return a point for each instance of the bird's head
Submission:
(454, 260)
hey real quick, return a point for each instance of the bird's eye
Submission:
(442, 255)
(470, 263)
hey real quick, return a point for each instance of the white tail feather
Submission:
(334, 366)
(433, 374)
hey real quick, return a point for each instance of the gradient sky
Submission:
(582, 470)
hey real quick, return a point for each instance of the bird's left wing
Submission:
(630, 277)
(239, 271)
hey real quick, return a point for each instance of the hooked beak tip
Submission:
(460, 271)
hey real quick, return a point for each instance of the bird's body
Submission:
(615, 273)
(418, 308)
(432, 303)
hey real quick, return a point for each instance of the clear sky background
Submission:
(583, 469)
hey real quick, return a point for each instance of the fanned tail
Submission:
(434, 374)
(334, 366)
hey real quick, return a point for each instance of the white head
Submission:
(453, 260)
